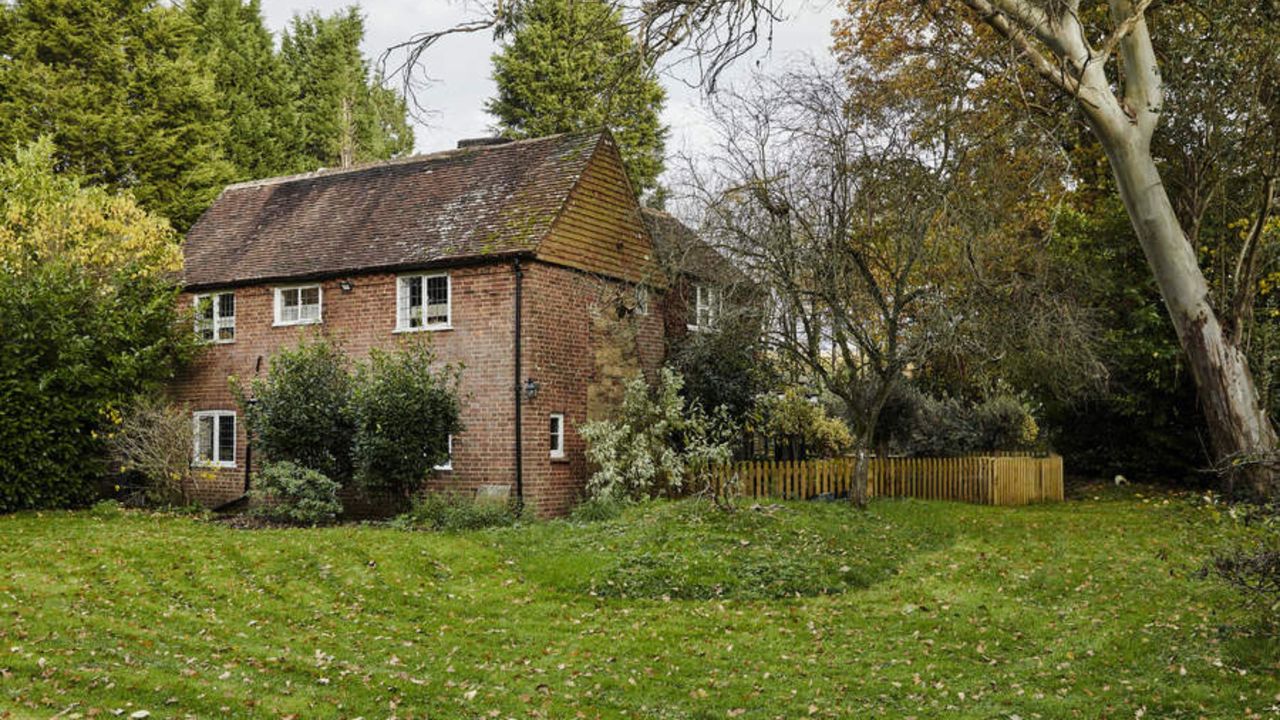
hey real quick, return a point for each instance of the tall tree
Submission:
(347, 113)
(571, 65)
(254, 88)
(89, 308)
(1103, 60)
(118, 88)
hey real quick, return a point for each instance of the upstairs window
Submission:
(216, 317)
(706, 307)
(422, 302)
(298, 305)
(215, 438)
(557, 435)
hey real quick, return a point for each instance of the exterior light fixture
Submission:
(346, 285)
(530, 389)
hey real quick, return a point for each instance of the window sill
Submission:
(214, 465)
(559, 459)
(443, 468)
(218, 342)
(300, 322)
(427, 328)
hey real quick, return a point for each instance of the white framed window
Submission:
(448, 463)
(642, 299)
(298, 305)
(423, 302)
(216, 317)
(706, 307)
(557, 435)
(215, 438)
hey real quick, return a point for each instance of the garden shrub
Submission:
(792, 415)
(88, 305)
(301, 411)
(655, 443)
(289, 493)
(153, 440)
(913, 423)
(450, 511)
(1005, 423)
(404, 411)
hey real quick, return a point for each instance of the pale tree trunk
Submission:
(1053, 41)
(1234, 413)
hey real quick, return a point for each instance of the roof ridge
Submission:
(409, 160)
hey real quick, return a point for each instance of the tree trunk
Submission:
(1238, 422)
(858, 490)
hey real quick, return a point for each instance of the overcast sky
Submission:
(460, 64)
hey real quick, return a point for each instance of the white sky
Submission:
(460, 64)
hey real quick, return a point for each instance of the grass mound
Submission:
(690, 550)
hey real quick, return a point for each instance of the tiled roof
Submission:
(681, 250)
(487, 200)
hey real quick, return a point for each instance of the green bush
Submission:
(289, 493)
(404, 411)
(301, 410)
(88, 308)
(1005, 423)
(453, 512)
(913, 423)
(792, 415)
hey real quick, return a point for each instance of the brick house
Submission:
(529, 262)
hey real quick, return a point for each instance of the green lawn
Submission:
(913, 609)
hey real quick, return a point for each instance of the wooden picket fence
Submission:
(989, 480)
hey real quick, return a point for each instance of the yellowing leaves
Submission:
(46, 217)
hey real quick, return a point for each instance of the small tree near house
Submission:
(404, 410)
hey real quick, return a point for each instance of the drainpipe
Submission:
(516, 389)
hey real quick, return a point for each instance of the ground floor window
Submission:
(215, 438)
(557, 435)
(448, 463)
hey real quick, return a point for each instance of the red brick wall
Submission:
(559, 352)
(562, 347)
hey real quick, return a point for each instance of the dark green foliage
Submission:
(89, 322)
(404, 411)
(288, 493)
(69, 359)
(119, 88)
(346, 113)
(455, 512)
(570, 65)
(255, 91)
(913, 423)
(302, 412)
(1146, 423)
(722, 368)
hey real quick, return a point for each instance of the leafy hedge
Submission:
(383, 425)
(914, 423)
(89, 311)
